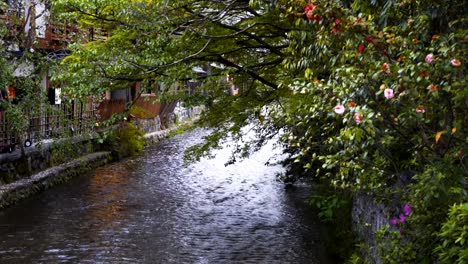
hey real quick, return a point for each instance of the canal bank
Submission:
(38, 158)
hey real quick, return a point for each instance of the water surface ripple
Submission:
(152, 209)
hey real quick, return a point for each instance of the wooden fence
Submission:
(54, 121)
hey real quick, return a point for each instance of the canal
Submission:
(153, 209)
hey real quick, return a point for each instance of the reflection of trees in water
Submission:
(110, 183)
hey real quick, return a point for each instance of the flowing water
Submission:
(153, 209)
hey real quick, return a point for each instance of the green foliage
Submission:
(454, 236)
(181, 128)
(65, 149)
(334, 209)
(417, 238)
(139, 112)
(328, 205)
(125, 141)
(62, 151)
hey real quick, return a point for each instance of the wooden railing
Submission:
(57, 35)
(56, 121)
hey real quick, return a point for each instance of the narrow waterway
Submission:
(152, 209)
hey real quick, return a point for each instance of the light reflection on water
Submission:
(152, 209)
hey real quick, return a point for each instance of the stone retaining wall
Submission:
(368, 217)
(39, 157)
(13, 192)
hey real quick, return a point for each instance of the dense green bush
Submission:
(125, 141)
(453, 246)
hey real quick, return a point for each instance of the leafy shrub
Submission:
(140, 113)
(334, 209)
(454, 236)
(125, 141)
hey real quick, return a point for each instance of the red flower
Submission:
(334, 30)
(433, 88)
(308, 8)
(352, 104)
(338, 21)
(424, 73)
(370, 39)
(435, 37)
(359, 20)
(361, 48)
(420, 109)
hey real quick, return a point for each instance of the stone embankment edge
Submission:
(21, 189)
(157, 136)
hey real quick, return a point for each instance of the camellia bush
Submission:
(382, 109)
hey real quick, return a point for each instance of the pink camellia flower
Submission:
(361, 48)
(388, 93)
(385, 68)
(433, 88)
(339, 109)
(402, 218)
(420, 109)
(455, 63)
(394, 221)
(429, 58)
(357, 117)
(338, 21)
(407, 209)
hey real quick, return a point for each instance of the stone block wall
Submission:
(368, 217)
(39, 157)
